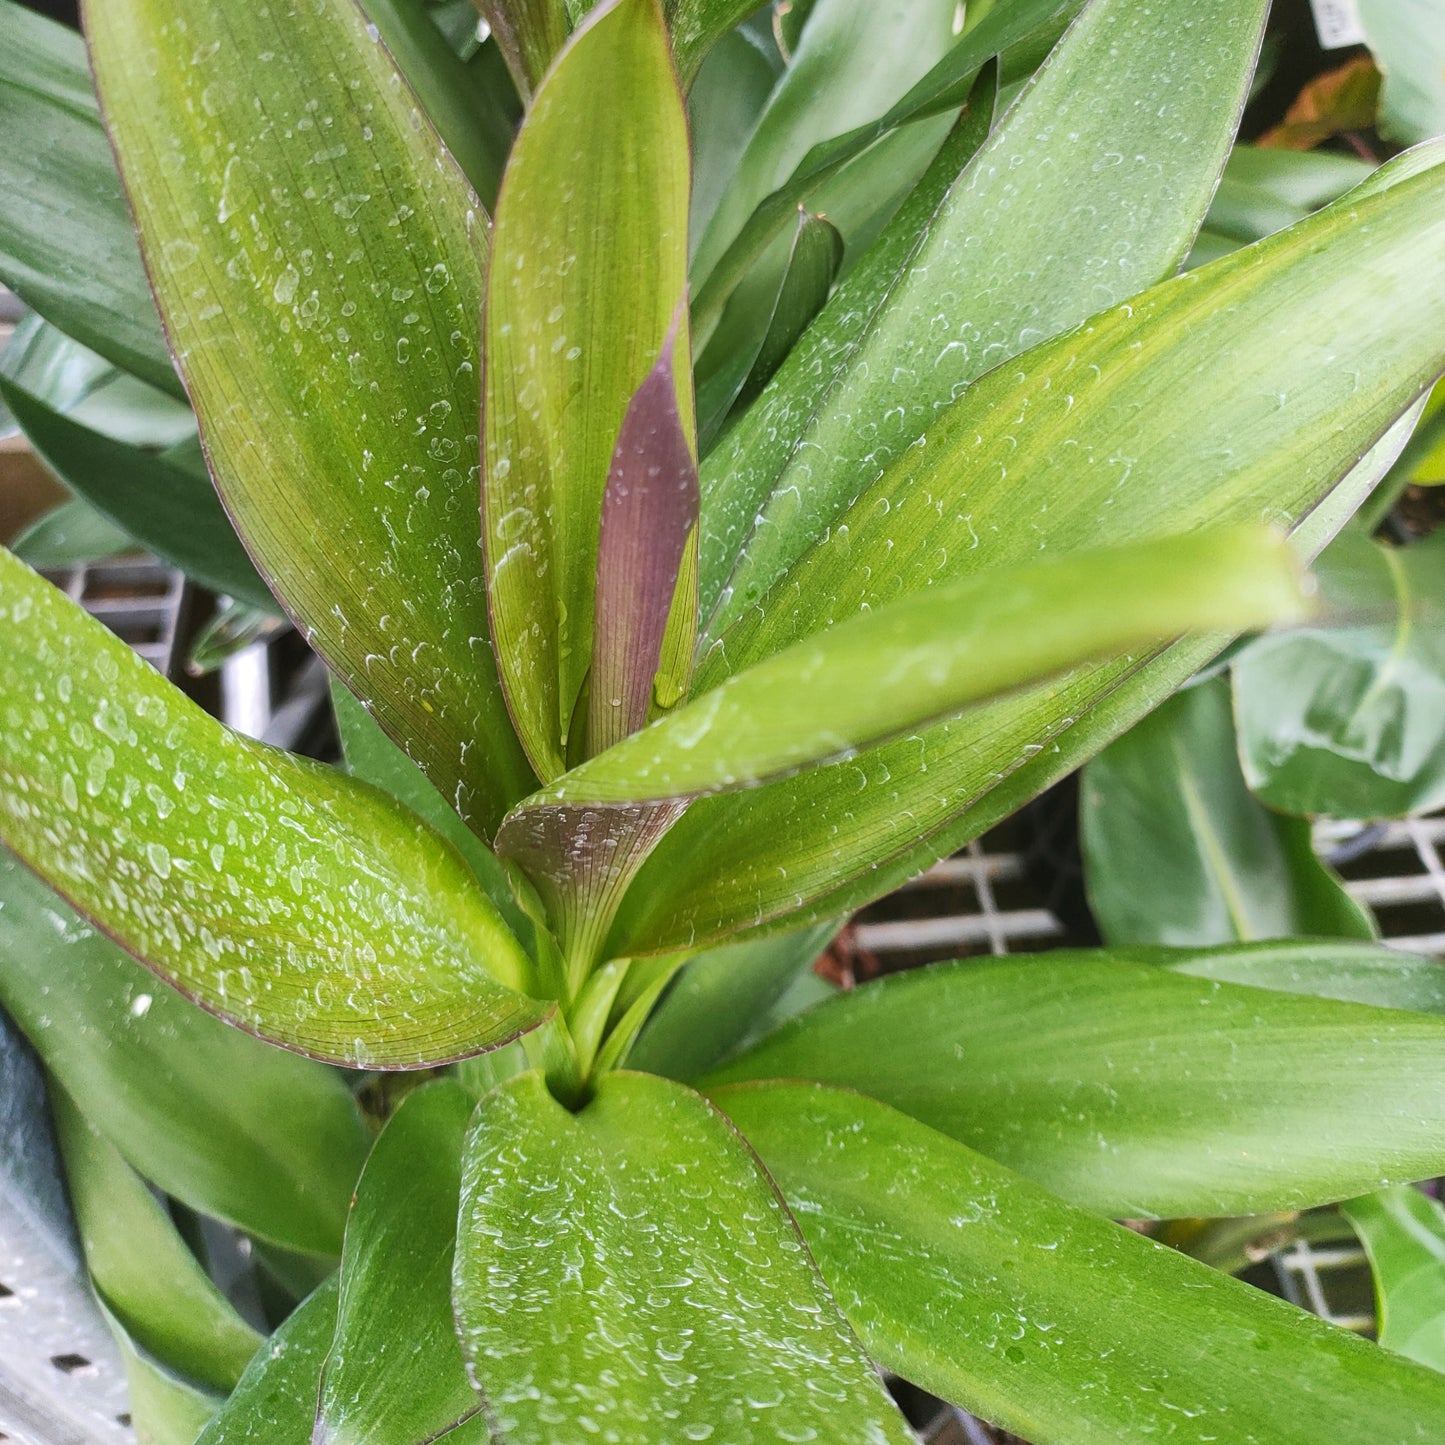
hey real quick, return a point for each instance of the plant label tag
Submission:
(1337, 23)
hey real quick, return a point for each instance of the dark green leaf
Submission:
(1177, 851)
(66, 243)
(1061, 1326)
(590, 256)
(629, 1270)
(1403, 1232)
(697, 25)
(529, 34)
(395, 1374)
(267, 1140)
(279, 893)
(1349, 720)
(318, 260)
(1133, 1090)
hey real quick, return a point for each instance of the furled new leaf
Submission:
(279, 893)
(318, 261)
(1133, 1090)
(589, 266)
(983, 1288)
(1177, 850)
(1403, 1232)
(395, 1375)
(126, 1050)
(629, 1270)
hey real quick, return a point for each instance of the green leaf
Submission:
(276, 1399)
(1403, 1232)
(1177, 851)
(1133, 1090)
(698, 25)
(318, 261)
(141, 1267)
(1405, 36)
(164, 1409)
(975, 290)
(952, 645)
(267, 1140)
(165, 501)
(279, 893)
(600, 1261)
(1348, 283)
(66, 244)
(395, 1374)
(719, 998)
(1048, 1321)
(1349, 721)
(73, 533)
(529, 34)
(589, 264)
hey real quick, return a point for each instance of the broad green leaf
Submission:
(318, 262)
(165, 501)
(164, 1408)
(275, 1402)
(72, 533)
(374, 758)
(828, 841)
(141, 1267)
(66, 244)
(589, 265)
(718, 1000)
(1046, 1320)
(1133, 1090)
(1349, 721)
(280, 894)
(266, 1140)
(1177, 850)
(628, 1270)
(925, 656)
(1407, 39)
(1403, 1232)
(529, 34)
(1049, 224)
(395, 1374)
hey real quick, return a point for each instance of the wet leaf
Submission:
(599, 1263)
(1403, 1232)
(697, 25)
(318, 260)
(1133, 1090)
(1349, 721)
(1178, 851)
(66, 244)
(952, 645)
(395, 1375)
(141, 1267)
(983, 1288)
(529, 34)
(589, 264)
(126, 1050)
(279, 893)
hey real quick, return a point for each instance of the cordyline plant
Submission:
(619, 753)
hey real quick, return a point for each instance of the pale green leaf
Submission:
(628, 1269)
(1133, 1090)
(164, 1408)
(318, 261)
(279, 893)
(1409, 44)
(73, 533)
(1403, 1232)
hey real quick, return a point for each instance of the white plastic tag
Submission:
(1337, 22)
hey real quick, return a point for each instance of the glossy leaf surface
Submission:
(1178, 851)
(589, 265)
(318, 262)
(395, 1375)
(630, 1269)
(66, 243)
(1049, 224)
(279, 893)
(829, 841)
(981, 1287)
(126, 1049)
(142, 1268)
(275, 1401)
(926, 656)
(697, 25)
(1403, 1232)
(1349, 721)
(1132, 1090)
